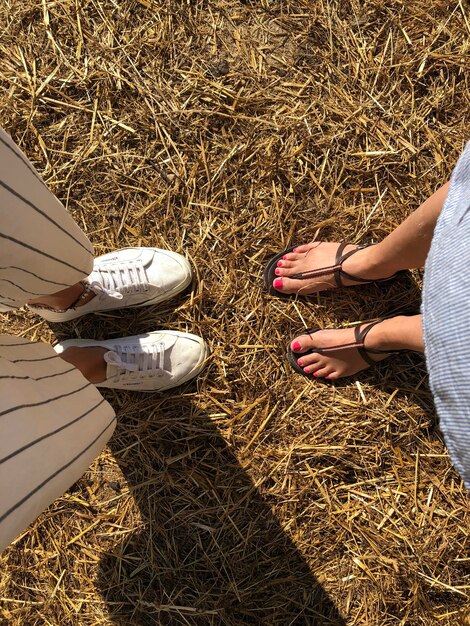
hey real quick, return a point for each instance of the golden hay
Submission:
(226, 129)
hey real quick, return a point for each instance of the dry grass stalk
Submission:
(227, 130)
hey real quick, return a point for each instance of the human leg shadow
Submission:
(208, 550)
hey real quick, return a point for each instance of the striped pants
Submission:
(53, 422)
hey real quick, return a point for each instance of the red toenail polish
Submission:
(315, 374)
(296, 346)
(277, 271)
(277, 283)
(284, 257)
(279, 263)
(295, 250)
(300, 362)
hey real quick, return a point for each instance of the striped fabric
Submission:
(53, 422)
(446, 317)
(42, 250)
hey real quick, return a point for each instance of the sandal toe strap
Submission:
(357, 344)
(336, 269)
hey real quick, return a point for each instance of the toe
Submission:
(323, 372)
(298, 345)
(299, 251)
(312, 362)
(282, 271)
(293, 256)
(284, 283)
(285, 263)
(333, 376)
(309, 362)
(303, 248)
(286, 271)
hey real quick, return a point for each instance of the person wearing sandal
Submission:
(436, 236)
(53, 420)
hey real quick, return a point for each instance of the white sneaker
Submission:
(152, 362)
(131, 277)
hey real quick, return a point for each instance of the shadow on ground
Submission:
(209, 552)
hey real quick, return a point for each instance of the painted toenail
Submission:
(296, 346)
(279, 263)
(315, 374)
(277, 271)
(277, 283)
(300, 362)
(295, 250)
(285, 257)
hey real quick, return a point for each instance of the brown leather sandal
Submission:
(357, 344)
(336, 270)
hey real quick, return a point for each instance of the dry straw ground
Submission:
(226, 129)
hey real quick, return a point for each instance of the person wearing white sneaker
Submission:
(53, 420)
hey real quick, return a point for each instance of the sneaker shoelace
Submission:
(135, 362)
(119, 279)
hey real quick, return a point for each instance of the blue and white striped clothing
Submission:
(446, 317)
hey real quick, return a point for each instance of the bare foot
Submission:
(316, 255)
(396, 333)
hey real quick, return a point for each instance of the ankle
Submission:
(76, 295)
(402, 332)
(370, 263)
(89, 361)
